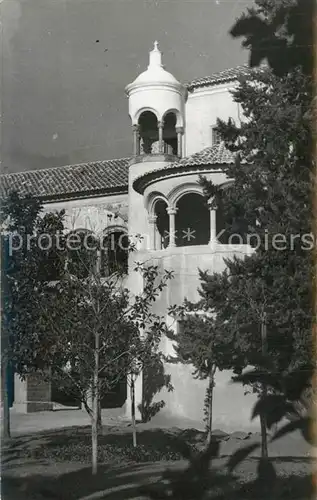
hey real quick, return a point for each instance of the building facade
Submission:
(156, 193)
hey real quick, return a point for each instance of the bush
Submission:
(107, 453)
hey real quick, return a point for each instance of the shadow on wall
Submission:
(64, 394)
(154, 380)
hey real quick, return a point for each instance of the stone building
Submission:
(155, 193)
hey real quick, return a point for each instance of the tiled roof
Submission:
(70, 180)
(227, 75)
(211, 156)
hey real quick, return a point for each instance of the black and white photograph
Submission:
(158, 201)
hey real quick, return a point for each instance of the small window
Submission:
(115, 254)
(81, 253)
(215, 136)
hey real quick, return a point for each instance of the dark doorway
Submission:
(169, 134)
(148, 131)
(162, 224)
(192, 221)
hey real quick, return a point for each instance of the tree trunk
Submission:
(264, 450)
(99, 419)
(5, 401)
(132, 389)
(95, 407)
(210, 401)
(94, 441)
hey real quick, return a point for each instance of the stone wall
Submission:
(32, 394)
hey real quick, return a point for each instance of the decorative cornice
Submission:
(142, 182)
(209, 159)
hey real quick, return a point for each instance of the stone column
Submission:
(136, 140)
(179, 131)
(172, 212)
(213, 224)
(160, 126)
(154, 243)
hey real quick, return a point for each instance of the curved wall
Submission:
(159, 100)
(184, 406)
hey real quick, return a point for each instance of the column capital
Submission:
(171, 210)
(179, 130)
(152, 219)
(160, 124)
(135, 127)
(212, 203)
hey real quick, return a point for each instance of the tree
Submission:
(78, 329)
(144, 351)
(5, 418)
(24, 268)
(200, 343)
(270, 200)
(283, 32)
(280, 32)
(90, 333)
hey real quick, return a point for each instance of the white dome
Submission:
(155, 73)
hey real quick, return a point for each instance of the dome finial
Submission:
(155, 56)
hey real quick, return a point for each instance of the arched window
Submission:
(148, 131)
(192, 221)
(115, 252)
(169, 134)
(162, 225)
(82, 248)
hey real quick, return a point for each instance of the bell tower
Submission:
(156, 108)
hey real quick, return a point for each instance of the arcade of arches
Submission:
(157, 137)
(191, 222)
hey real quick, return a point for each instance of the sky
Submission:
(65, 64)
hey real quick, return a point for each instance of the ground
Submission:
(55, 463)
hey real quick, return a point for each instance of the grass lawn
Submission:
(56, 465)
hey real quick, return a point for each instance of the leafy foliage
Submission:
(64, 319)
(154, 380)
(27, 268)
(281, 32)
(200, 343)
(271, 194)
